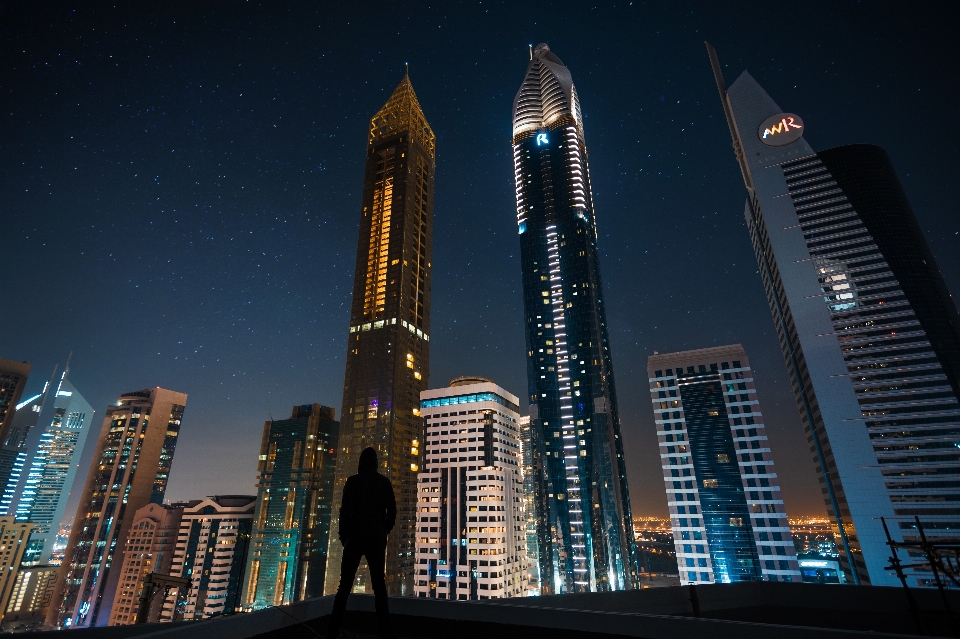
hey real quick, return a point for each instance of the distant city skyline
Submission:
(220, 299)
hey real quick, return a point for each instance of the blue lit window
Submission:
(523, 228)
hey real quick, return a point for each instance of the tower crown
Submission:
(401, 113)
(547, 94)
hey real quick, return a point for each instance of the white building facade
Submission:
(726, 510)
(471, 540)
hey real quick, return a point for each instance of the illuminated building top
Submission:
(546, 95)
(402, 113)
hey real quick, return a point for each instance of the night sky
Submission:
(180, 191)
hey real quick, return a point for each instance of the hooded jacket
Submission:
(368, 510)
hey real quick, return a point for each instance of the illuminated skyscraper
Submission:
(388, 350)
(291, 520)
(869, 332)
(729, 523)
(212, 551)
(583, 506)
(42, 491)
(129, 469)
(15, 423)
(471, 542)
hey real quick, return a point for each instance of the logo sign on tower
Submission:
(781, 129)
(542, 139)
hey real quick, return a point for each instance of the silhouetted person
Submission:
(367, 514)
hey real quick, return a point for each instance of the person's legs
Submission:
(348, 570)
(375, 554)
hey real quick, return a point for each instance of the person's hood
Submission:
(368, 461)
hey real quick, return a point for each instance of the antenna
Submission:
(66, 369)
(407, 71)
(531, 51)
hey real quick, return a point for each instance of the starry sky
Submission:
(181, 190)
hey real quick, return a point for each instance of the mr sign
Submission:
(781, 129)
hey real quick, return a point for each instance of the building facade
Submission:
(13, 543)
(471, 542)
(291, 522)
(869, 332)
(148, 548)
(530, 488)
(140, 431)
(14, 421)
(727, 514)
(41, 492)
(211, 550)
(30, 600)
(13, 453)
(573, 403)
(13, 379)
(388, 351)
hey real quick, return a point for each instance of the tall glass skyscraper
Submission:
(388, 348)
(39, 492)
(726, 510)
(291, 520)
(869, 332)
(585, 527)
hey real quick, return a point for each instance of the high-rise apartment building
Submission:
(138, 433)
(583, 506)
(291, 522)
(212, 552)
(388, 350)
(869, 332)
(16, 419)
(30, 600)
(727, 514)
(148, 548)
(13, 379)
(13, 543)
(471, 542)
(42, 490)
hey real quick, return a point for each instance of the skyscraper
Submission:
(41, 493)
(13, 452)
(291, 526)
(148, 548)
(212, 551)
(14, 538)
(139, 432)
(530, 488)
(583, 507)
(869, 332)
(726, 511)
(13, 379)
(471, 542)
(388, 350)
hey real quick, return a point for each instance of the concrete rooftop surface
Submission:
(740, 611)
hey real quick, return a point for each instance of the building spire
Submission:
(402, 113)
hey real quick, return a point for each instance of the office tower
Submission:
(14, 421)
(530, 487)
(140, 431)
(13, 452)
(30, 600)
(388, 350)
(212, 551)
(148, 548)
(13, 379)
(869, 332)
(13, 538)
(573, 401)
(729, 523)
(291, 522)
(470, 524)
(42, 492)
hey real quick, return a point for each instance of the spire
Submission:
(402, 113)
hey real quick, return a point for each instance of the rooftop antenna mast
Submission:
(531, 52)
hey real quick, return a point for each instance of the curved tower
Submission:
(584, 523)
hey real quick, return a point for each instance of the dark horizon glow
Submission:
(182, 188)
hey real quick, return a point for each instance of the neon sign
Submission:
(542, 139)
(781, 129)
